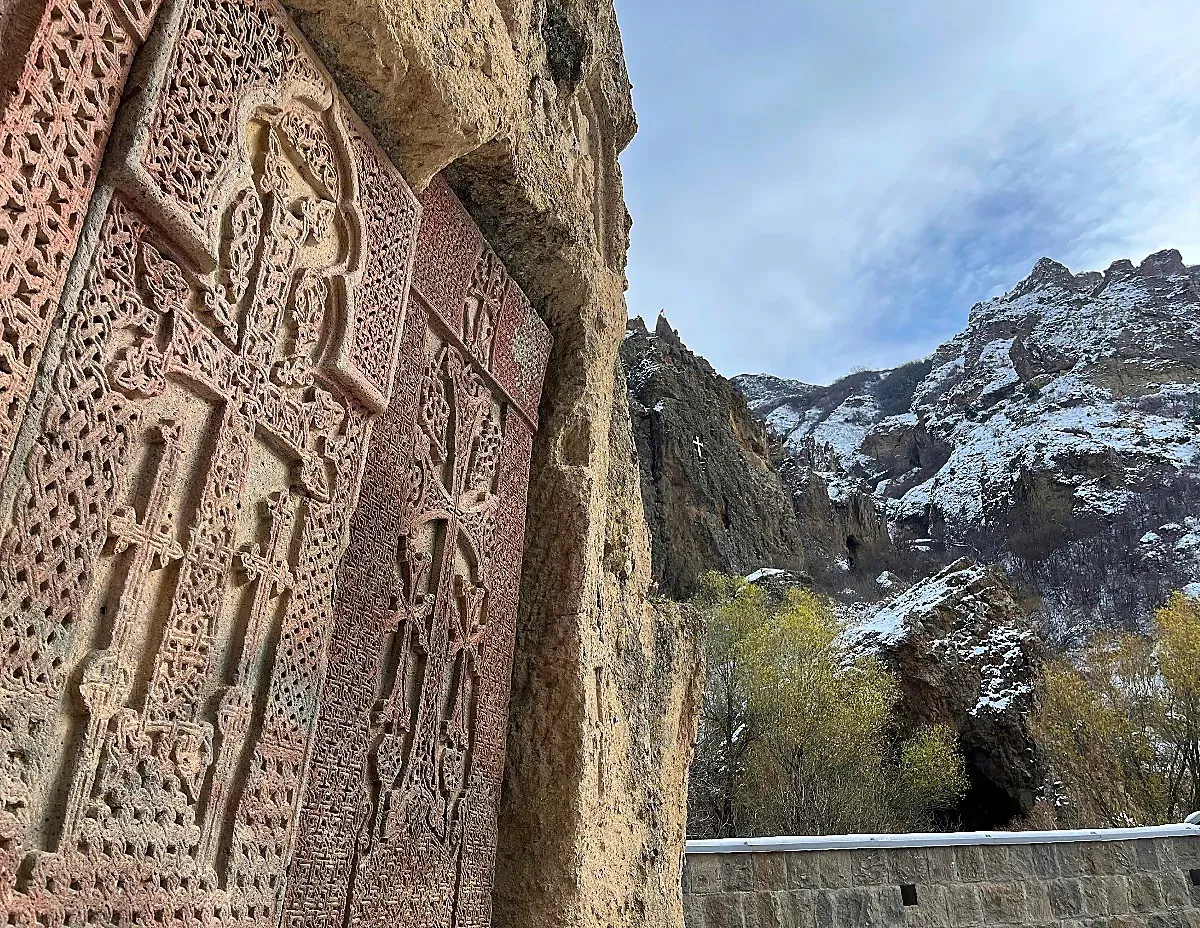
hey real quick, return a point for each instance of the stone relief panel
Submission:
(261, 537)
(55, 125)
(398, 827)
(169, 555)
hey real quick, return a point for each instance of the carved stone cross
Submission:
(268, 566)
(152, 538)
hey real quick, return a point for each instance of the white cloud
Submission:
(819, 186)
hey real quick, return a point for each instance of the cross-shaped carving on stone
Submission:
(104, 685)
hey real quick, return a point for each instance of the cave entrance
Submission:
(852, 546)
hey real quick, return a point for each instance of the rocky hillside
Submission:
(966, 656)
(1058, 437)
(713, 499)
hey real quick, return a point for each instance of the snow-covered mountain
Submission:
(1058, 436)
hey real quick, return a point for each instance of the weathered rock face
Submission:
(1057, 436)
(966, 656)
(526, 106)
(612, 799)
(711, 495)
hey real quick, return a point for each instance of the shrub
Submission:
(1120, 724)
(797, 734)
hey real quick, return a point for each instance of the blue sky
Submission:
(821, 185)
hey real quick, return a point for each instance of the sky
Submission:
(829, 184)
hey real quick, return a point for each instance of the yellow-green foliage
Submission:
(797, 735)
(1120, 724)
(932, 774)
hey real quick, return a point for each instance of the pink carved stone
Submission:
(260, 557)
(54, 125)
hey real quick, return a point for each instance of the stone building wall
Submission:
(1136, 878)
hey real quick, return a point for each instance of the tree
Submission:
(1120, 723)
(797, 734)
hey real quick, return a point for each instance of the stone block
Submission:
(763, 909)
(693, 911)
(836, 869)
(1187, 852)
(1164, 852)
(1176, 890)
(969, 864)
(1119, 899)
(826, 908)
(1070, 859)
(1166, 920)
(1094, 893)
(891, 908)
(1037, 900)
(1007, 863)
(1066, 898)
(800, 909)
(723, 910)
(1123, 857)
(964, 904)
(704, 874)
(737, 872)
(941, 863)
(932, 909)
(1095, 858)
(869, 867)
(1145, 854)
(804, 870)
(911, 864)
(859, 907)
(770, 872)
(1145, 893)
(1043, 860)
(1003, 902)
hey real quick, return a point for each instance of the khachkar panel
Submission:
(398, 828)
(168, 561)
(53, 129)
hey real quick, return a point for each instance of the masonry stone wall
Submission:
(1110, 883)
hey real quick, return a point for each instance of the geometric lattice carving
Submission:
(398, 827)
(261, 540)
(178, 515)
(54, 128)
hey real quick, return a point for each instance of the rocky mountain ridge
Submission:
(713, 498)
(1057, 436)
(1042, 464)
